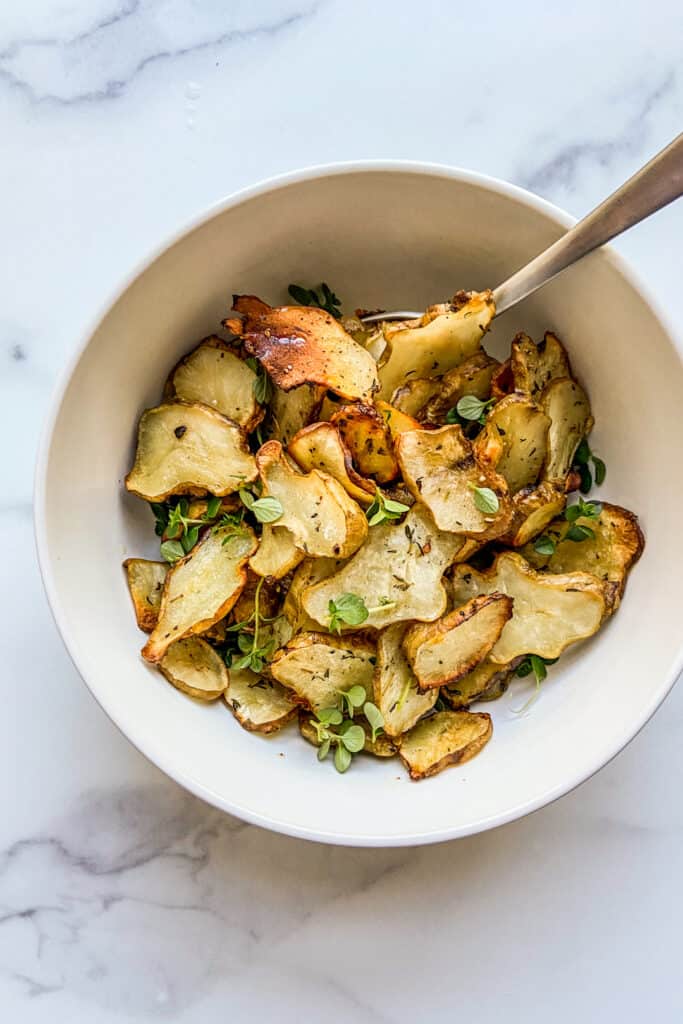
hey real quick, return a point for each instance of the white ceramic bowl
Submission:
(394, 235)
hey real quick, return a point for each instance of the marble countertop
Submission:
(121, 897)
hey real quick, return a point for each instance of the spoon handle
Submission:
(655, 185)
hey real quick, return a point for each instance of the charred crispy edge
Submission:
(357, 412)
(496, 687)
(193, 691)
(286, 567)
(266, 728)
(233, 324)
(502, 383)
(250, 307)
(355, 478)
(212, 341)
(546, 494)
(488, 448)
(455, 757)
(187, 487)
(149, 651)
(419, 634)
(436, 407)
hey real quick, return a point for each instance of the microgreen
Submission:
(582, 510)
(266, 510)
(263, 385)
(544, 545)
(582, 464)
(485, 500)
(578, 532)
(536, 664)
(181, 531)
(326, 300)
(349, 609)
(172, 551)
(251, 653)
(334, 730)
(384, 510)
(471, 408)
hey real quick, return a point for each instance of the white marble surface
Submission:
(122, 898)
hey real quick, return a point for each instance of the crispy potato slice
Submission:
(368, 438)
(259, 704)
(292, 410)
(442, 652)
(201, 588)
(188, 449)
(514, 441)
(194, 667)
(440, 468)
(321, 517)
(549, 613)
(487, 681)
(277, 553)
(567, 405)
(319, 446)
(145, 583)
(473, 377)
(446, 738)
(397, 573)
(315, 667)
(534, 366)
(395, 686)
(413, 396)
(214, 375)
(532, 509)
(381, 747)
(617, 545)
(435, 343)
(300, 345)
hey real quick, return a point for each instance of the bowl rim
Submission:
(273, 184)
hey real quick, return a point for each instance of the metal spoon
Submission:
(655, 185)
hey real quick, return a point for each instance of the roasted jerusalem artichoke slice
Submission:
(438, 341)
(534, 366)
(473, 377)
(446, 738)
(487, 681)
(396, 692)
(549, 612)
(442, 652)
(311, 571)
(290, 411)
(411, 397)
(321, 517)
(258, 704)
(277, 553)
(616, 545)
(567, 405)
(201, 588)
(319, 446)
(366, 434)
(300, 345)
(188, 449)
(514, 441)
(194, 667)
(315, 667)
(214, 375)
(532, 509)
(441, 470)
(145, 583)
(397, 573)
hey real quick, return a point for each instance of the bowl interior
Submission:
(403, 237)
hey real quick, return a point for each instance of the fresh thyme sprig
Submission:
(263, 385)
(384, 510)
(251, 652)
(582, 464)
(326, 300)
(265, 510)
(351, 610)
(180, 530)
(334, 730)
(546, 545)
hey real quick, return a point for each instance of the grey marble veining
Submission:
(121, 897)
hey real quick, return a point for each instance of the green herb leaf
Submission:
(600, 470)
(342, 758)
(586, 479)
(579, 532)
(375, 718)
(213, 507)
(266, 510)
(582, 510)
(324, 749)
(330, 716)
(349, 609)
(172, 551)
(583, 453)
(353, 738)
(544, 545)
(486, 500)
(326, 300)
(384, 509)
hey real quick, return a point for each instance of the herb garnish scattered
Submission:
(582, 460)
(384, 509)
(181, 530)
(351, 610)
(265, 510)
(536, 664)
(546, 545)
(247, 652)
(334, 730)
(471, 408)
(263, 385)
(326, 300)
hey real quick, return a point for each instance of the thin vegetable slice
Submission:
(315, 667)
(514, 441)
(396, 692)
(444, 739)
(259, 704)
(195, 668)
(145, 583)
(214, 375)
(319, 446)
